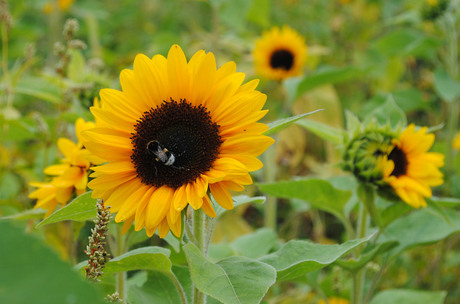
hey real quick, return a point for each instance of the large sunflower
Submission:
(411, 170)
(280, 53)
(176, 132)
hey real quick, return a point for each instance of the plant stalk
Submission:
(200, 235)
(359, 276)
(121, 276)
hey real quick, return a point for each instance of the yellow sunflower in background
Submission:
(70, 175)
(177, 132)
(280, 53)
(456, 142)
(411, 170)
(334, 300)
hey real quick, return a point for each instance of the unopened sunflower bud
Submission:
(365, 155)
(98, 257)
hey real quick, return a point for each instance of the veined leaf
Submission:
(80, 209)
(298, 257)
(285, 122)
(322, 130)
(233, 280)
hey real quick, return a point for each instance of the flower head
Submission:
(280, 53)
(69, 176)
(176, 133)
(411, 170)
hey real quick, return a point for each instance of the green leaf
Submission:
(33, 273)
(39, 88)
(317, 192)
(299, 257)
(21, 129)
(446, 201)
(256, 244)
(158, 289)
(146, 258)
(445, 86)
(408, 296)
(252, 245)
(231, 280)
(324, 131)
(388, 113)
(393, 212)
(239, 200)
(285, 122)
(368, 254)
(76, 67)
(26, 215)
(420, 228)
(259, 12)
(10, 186)
(80, 209)
(329, 75)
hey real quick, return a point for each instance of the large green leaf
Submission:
(407, 296)
(158, 289)
(419, 228)
(299, 257)
(445, 86)
(33, 273)
(285, 122)
(40, 88)
(233, 280)
(322, 130)
(329, 75)
(147, 258)
(388, 113)
(252, 245)
(318, 193)
(256, 244)
(368, 254)
(80, 209)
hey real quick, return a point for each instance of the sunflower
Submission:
(70, 175)
(176, 133)
(411, 170)
(456, 142)
(280, 53)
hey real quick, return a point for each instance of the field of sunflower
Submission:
(230, 151)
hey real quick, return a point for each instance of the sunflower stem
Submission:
(269, 176)
(359, 275)
(121, 276)
(200, 234)
(453, 106)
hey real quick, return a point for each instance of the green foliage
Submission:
(81, 208)
(297, 258)
(318, 193)
(285, 122)
(33, 273)
(231, 280)
(409, 296)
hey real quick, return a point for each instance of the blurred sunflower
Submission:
(334, 300)
(61, 5)
(280, 53)
(456, 142)
(410, 169)
(177, 132)
(70, 175)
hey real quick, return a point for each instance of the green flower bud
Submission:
(366, 153)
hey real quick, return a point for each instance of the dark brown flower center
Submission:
(282, 59)
(400, 160)
(174, 144)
